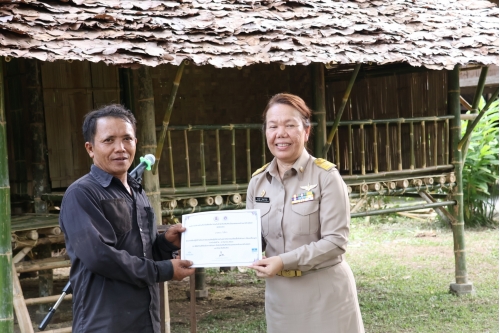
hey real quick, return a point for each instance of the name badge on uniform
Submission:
(262, 199)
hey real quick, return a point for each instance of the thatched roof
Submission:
(434, 33)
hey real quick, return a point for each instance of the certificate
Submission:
(222, 238)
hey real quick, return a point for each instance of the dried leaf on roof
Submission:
(234, 33)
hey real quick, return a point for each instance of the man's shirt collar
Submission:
(105, 178)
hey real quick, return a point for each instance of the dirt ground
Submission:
(232, 295)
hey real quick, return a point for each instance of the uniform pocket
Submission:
(117, 212)
(264, 216)
(305, 218)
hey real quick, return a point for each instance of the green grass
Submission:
(403, 271)
(403, 280)
(237, 322)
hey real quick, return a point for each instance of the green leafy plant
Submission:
(480, 170)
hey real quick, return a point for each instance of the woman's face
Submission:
(285, 133)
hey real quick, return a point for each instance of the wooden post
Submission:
(217, 149)
(146, 133)
(319, 112)
(40, 170)
(6, 289)
(186, 147)
(146, 137)
(462, 285)
(249, 159)
(192, 302)
(202, 160)
(39, 142)
(233, 154)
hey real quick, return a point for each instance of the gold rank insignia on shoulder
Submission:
(260, 169)
(324, 164)
(303, 197)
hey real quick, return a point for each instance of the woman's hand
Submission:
(267, 267)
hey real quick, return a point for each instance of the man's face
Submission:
(114, 146)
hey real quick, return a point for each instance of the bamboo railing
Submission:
(424, 161)
(433, 141)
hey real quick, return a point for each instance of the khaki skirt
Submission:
(325, 301)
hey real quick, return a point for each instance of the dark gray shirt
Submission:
(117, 257)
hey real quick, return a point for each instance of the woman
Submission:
(304, 209)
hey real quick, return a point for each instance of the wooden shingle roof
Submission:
(433, 33)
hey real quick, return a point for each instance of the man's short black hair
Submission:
(112, 110)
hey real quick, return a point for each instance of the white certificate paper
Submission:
(222, 238)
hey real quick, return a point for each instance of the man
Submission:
(117, 256)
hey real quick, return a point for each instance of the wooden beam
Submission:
(46, 299)
(41, 241)
(43, 264)
(22, 314)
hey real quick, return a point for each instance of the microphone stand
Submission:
(66, 291)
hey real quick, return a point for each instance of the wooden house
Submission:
(381, 76)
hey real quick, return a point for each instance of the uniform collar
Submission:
(104, 178)
(299, 167)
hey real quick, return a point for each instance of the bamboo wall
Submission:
(70, 90)
(18, 138)
(209, 97)
(403, 96)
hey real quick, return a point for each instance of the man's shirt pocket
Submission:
(117, 212)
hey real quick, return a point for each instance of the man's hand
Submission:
(267, 267)
(173, 234)
(181, 269)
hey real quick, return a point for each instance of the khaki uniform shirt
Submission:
(308, 235)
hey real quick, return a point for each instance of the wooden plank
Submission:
(43, 264)
(22, 314)
(34, 221)
(105, 84)
(46, 299)
(63, 118)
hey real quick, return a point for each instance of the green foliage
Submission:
(480, 171)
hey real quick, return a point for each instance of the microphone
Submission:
(146, 162)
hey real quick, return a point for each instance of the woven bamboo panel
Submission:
(18, 129)
(70, 91)
(209, 96)
(419, 94)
